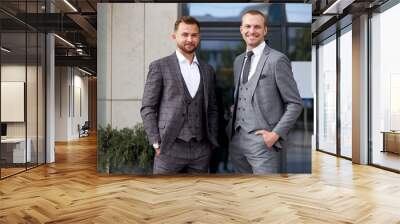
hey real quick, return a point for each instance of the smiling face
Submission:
(187, 37)
(253, 30)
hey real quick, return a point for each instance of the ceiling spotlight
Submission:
(84, 71)
(5, 50)
(70, 5)
(337, 7)
(64, 40)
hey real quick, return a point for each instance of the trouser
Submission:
(191, 157)
(249, 154)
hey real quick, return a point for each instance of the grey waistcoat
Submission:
(246, 117)
(193, 125)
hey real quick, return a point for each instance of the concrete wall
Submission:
(129, 37)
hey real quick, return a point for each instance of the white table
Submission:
(18, 145)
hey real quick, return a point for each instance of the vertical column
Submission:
(104, 51)
(360, 90)
(50, 99)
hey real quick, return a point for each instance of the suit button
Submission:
(242, 119)
(241, 88)
(245, 99)
(240, 98)
(247, 89)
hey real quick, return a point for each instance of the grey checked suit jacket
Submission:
(276, 99)
(163, 102)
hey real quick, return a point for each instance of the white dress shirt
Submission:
(254, 59)
(190, 73)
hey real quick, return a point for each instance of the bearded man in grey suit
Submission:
(179, 108)
(267, 102)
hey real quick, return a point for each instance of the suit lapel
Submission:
(237, 72)
(204, 78)
(176, 72)
(259, 68)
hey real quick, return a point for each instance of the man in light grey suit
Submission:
(179, 108)
(267, 102)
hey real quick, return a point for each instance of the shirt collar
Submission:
(182, 58)
(259, 49)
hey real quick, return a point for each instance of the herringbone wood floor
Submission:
(70, 191)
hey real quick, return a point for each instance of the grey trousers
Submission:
(192, 157)
(249, 154)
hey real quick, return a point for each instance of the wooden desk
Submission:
(391, 141)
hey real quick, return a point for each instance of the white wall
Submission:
(33, 125)
(12, 73)
(80, 83)
(67, 116)
(129, 37)
(61, 103)
(12, 101)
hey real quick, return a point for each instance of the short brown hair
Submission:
(187, 20)
(255, 12)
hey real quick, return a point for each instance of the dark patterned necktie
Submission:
(246, 69)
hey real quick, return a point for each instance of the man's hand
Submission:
(158, 151)
(269, 137)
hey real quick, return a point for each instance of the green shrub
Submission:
(122, 149)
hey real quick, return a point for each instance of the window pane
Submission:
(232, 12)
(346, 94)
(298, 13)
(31, 101)
(327, 96)
(274, 38)
(385, 85)
(299, 43)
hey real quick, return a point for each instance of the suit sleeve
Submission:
(150, 103)
(213, 108)
(290, 96)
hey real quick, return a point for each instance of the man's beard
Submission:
(182, 47)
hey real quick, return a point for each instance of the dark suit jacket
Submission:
(163, 101)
